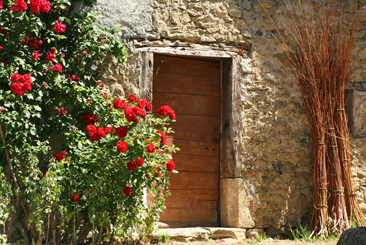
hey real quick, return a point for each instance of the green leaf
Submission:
(37, 108)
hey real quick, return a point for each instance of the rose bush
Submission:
(74, 159)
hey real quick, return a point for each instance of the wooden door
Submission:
(192, 88)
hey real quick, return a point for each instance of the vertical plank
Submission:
(146, 76)
(231, 144)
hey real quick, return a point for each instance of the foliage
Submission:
(163, 238)
(261, 237)
(74, 159)
(300, 233)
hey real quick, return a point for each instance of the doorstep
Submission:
(199, 233)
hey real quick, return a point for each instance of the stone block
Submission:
(222, 232)
(184, 234)
(253, 233)
(235, 202)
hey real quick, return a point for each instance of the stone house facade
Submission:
(264, 176)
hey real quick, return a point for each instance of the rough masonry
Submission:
(275, 177)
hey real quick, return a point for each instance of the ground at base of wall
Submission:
(221, 236)
(248, 241)
(231, 241)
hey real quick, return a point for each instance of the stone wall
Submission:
(275, 160)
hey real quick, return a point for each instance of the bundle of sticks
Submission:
(322, 51)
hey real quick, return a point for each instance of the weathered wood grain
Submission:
(189, 147)
(231, 144)
(194, 181)
(207, 124)
(185, 84)
(192, 163)
(196, 136)
(189, 104)
(189, 215)
(192, 88)
(186, 65)
(146, 77)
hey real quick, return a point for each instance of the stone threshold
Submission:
(190, 234)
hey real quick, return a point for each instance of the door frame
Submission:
(231, 146)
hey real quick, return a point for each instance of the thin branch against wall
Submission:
(322, 53)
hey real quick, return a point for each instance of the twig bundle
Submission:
(322, 55)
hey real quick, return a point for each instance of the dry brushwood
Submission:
(322, 54)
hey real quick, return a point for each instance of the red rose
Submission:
(49, 57)
(170, 165)
(164, 110)
(22, 5)
(136, 120)
(36, 55)
(97, 133)
(45, 6)
(59, 156)
(57, 67)
(121, 131)
(1, 5)
(127, 191)
(139, 112)
(75, 78)
(140, 162)
(172, 115)
(163, 137)
(103, 133)
(91, 129)
(15, 7)
(59, 27)
(61, 111)
(1, 29)
(118, 103)
(44, 172)
(158, 175)
(129, 114)
(88, 119)
(132, 98)
(77, 198)
(89, 101)
(122, 146)
(141, 103)
(150, 148)
(85, 53)
(26, 78)
(131, 165)
(96, 136)
(18, 88)
(108, 130)
(15, 77)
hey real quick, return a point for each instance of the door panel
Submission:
(192, 88)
